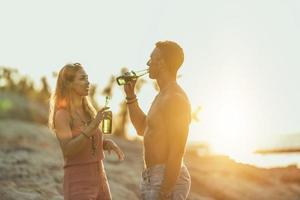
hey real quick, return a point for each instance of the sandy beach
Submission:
(31, 168)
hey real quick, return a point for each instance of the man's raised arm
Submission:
(137, 116)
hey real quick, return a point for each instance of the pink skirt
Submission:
(86, 182)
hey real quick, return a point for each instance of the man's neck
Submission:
(164, 81)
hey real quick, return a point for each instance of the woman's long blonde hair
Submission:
(61, 98)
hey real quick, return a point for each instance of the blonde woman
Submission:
(76, 124)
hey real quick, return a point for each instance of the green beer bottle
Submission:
(107, 119)
(132, 75)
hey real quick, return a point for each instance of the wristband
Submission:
(105, 145)
(130, 98)
(131, 101)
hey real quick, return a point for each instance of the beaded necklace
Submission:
(85, 123)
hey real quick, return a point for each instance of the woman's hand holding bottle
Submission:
(90, 129)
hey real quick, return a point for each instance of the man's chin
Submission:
(85, 94)
(151, 76)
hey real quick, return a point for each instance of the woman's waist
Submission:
(83, 171)
(79, 163)
(83, 159)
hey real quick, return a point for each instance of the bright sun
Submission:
(231, 127)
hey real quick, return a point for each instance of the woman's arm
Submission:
(71, 146)
(110, 145)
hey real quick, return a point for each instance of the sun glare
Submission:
(232, 132)
(233, 140)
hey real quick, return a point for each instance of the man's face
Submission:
(155, 63)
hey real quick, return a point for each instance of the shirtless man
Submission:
(165, 127)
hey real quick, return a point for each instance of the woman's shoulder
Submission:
(62, 114)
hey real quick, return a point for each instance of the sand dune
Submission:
(31, 168)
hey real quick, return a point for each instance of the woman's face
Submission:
(81, 84)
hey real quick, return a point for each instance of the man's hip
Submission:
(152, 179)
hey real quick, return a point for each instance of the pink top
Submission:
(85, 156)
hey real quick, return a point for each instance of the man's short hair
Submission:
(172, 53)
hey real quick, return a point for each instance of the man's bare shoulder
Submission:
(176, 97)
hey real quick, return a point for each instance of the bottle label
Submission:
(107, 122)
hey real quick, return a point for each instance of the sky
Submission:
(241, 57)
